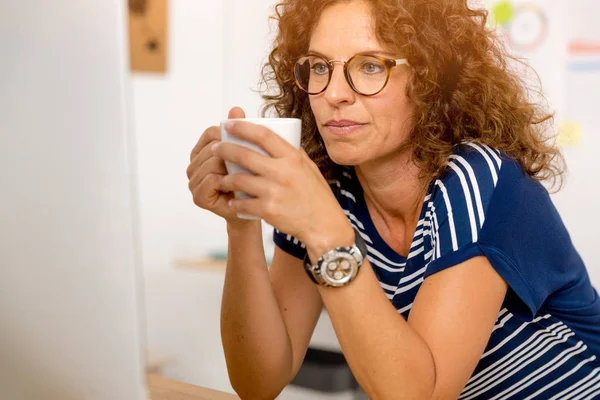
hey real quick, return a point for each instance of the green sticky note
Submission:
(503, 12)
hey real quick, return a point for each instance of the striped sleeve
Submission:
(458, 211)
(289, 244)
(459, 202)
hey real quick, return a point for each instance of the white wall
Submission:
(581, 89)
(246, 43)
(171, 112)
(70, 323)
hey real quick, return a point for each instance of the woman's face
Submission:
(379, 125)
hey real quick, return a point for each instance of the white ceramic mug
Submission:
(289, 129)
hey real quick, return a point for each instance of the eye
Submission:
(320, 68)
(372, 67)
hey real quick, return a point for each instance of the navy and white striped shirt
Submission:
(546, 340)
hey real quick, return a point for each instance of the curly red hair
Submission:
(461, 87)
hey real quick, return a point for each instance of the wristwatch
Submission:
(338, 267)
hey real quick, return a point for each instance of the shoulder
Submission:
(460, 200)
(475, 164)
(474, 172)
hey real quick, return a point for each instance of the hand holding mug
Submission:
(288, 129)
(276, 180)
(206, 170)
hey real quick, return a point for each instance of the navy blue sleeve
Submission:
(485, 205)
(289, 244)
(526, 239)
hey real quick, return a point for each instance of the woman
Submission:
(416, 215)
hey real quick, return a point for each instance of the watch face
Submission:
(338, 268)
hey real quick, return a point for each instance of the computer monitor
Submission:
(71, 320)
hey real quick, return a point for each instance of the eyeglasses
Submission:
(367, 75)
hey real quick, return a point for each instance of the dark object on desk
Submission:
(325, 371)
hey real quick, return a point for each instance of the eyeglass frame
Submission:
(388, 62)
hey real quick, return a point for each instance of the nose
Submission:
(339, 90)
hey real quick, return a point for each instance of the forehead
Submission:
(344, 29)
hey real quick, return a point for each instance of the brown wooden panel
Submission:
(148, 35)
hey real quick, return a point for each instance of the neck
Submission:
(392, 188)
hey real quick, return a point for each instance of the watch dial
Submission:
(340, 269)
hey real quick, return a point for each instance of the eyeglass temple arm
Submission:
(401, 61)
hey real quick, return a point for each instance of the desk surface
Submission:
(161, 388)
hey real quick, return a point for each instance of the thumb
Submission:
(236, 112)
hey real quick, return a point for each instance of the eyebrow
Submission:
(362, 53)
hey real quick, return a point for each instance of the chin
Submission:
(349, 151)
(346, 159)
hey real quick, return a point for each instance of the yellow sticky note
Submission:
(503, 12)
(569, 134)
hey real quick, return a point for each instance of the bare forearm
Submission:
(387, 356)
(255, 340)
(389, 359)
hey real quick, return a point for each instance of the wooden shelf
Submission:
(155, 363)
(161, 388)
(201, 263)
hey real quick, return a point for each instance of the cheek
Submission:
(398, 108)
(393, 115)
(315, 105)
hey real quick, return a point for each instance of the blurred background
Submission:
(192, 60)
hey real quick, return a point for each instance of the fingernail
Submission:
(230, 203)
(214, 147)
(229, 125)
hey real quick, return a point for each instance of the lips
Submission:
(342, 123)
(343, 127)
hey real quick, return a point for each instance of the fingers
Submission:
(236, 112)
(255, 207)
(210, 135)
(247, 158)
(261, 136)
(214, 132)
(200, 158)
(206, 195)
(212, 166)
(255, 186)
